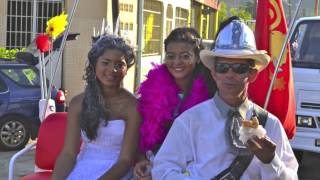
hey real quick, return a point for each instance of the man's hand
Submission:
(263, 148)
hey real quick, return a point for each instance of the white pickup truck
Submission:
(305, 56)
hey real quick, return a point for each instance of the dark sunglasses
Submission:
(239, 68)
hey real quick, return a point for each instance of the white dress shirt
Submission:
(196, 148)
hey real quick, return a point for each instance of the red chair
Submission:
(48, 146)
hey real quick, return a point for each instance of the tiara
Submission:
(106, 30)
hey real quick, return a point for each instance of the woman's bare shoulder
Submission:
(129, 98)
(125, 104)
(76, 102)
(130, 106)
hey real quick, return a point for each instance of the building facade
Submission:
(159, 18)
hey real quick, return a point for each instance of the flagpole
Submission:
(65, 35)
(139, 43)
(280, 56)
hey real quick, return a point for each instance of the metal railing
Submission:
(27, 18)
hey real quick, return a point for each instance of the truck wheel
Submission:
(299, 155)
(14, 133)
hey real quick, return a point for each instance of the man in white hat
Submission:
(204, 142)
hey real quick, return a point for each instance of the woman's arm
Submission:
(129, 144)
(142, 170)
(68, 155)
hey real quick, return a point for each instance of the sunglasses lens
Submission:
(221, 67)
(238, 68)
(241, 68)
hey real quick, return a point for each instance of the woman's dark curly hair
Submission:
(191, 36)
(93, 105)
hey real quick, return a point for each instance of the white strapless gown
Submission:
(98, 156)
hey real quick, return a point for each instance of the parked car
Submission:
(19, 97)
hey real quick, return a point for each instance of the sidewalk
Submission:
(23, 165)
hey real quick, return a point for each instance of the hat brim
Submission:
(260, 57)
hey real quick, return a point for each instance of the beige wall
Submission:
(3, 22)
(130, 17)
(87, 16)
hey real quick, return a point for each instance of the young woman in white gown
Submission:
(104, 116)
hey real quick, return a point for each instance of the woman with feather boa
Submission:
(170, 89)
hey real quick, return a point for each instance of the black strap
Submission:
(241, 163)
(261, 114)
(236, 169)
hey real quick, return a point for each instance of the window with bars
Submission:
(169, 19)
(126, 7)
(195, 16)
(126, 26)
(152, 13)
(181, 19)
(204, 32)
(27, 18)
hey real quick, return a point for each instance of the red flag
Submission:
(270, 34)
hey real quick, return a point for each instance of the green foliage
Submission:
(10, 53)
(240, 12)
(223, 12)
(251, 7)
(243, 12)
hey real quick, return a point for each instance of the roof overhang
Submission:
(211, 3)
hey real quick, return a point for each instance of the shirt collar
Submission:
(224, 107)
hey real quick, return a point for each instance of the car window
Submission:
(305, 44)
(25, 76)
(3, 86)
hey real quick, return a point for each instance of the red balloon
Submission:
(43, 42)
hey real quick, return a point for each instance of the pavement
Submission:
(309, 166)
(24, 164)
(308, 170)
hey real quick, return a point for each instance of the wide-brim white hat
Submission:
(236, 41)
